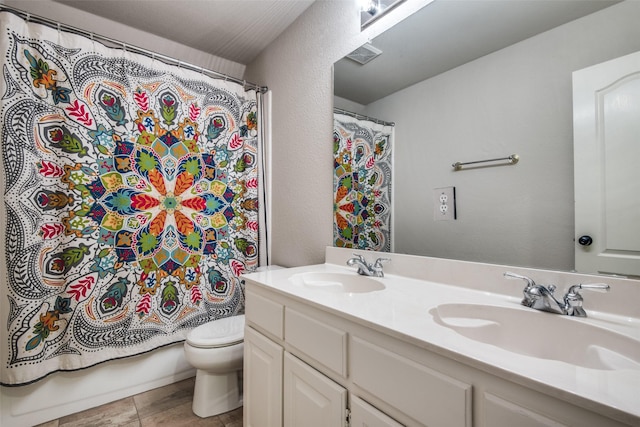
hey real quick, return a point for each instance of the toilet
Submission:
(215, 349)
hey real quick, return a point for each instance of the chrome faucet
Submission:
(365, 268)
(540, 297)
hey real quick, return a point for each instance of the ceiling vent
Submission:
(364, 54)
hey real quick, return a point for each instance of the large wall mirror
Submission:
(468, 80)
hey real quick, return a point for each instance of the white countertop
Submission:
(402, 310)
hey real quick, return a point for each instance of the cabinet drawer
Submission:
(500, 412)
(324, 343)
(424, 394)
(264, 314)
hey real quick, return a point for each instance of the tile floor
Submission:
(165, 406)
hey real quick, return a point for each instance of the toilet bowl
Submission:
(215, 349)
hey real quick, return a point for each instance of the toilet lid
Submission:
(218, 333)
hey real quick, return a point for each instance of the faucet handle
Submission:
(379, 261)
(532, 293)
(597, 287)
(360, 257)
(573, 300)
(510, 275)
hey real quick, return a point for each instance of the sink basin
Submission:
(338, 282)
(542, 335)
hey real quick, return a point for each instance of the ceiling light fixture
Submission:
(372, 10)
(372, 7)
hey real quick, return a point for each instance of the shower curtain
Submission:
(362, 151)
(130, 200)
(264, 183)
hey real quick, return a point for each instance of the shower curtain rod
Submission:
(362, 116)
(148, 53)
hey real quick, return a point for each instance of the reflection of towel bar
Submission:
(511, 160)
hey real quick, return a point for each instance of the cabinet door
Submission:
(365, 415)
(262, 381)
(310, 398)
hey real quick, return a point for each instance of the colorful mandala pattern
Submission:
(131, 204)
(361, 185)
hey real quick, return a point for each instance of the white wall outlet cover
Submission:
(444, 202)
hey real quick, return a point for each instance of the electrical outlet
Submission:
(444, 203)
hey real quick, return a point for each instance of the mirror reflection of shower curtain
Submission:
(264, 177)
(362, 183)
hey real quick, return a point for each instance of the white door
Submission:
(606, 119)
(310, 398)
(262, 395)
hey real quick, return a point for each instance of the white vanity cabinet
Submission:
(310, 365)
(306, 367)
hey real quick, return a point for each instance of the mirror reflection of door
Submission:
(606, 114)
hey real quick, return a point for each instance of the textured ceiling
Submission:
(237, 30)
